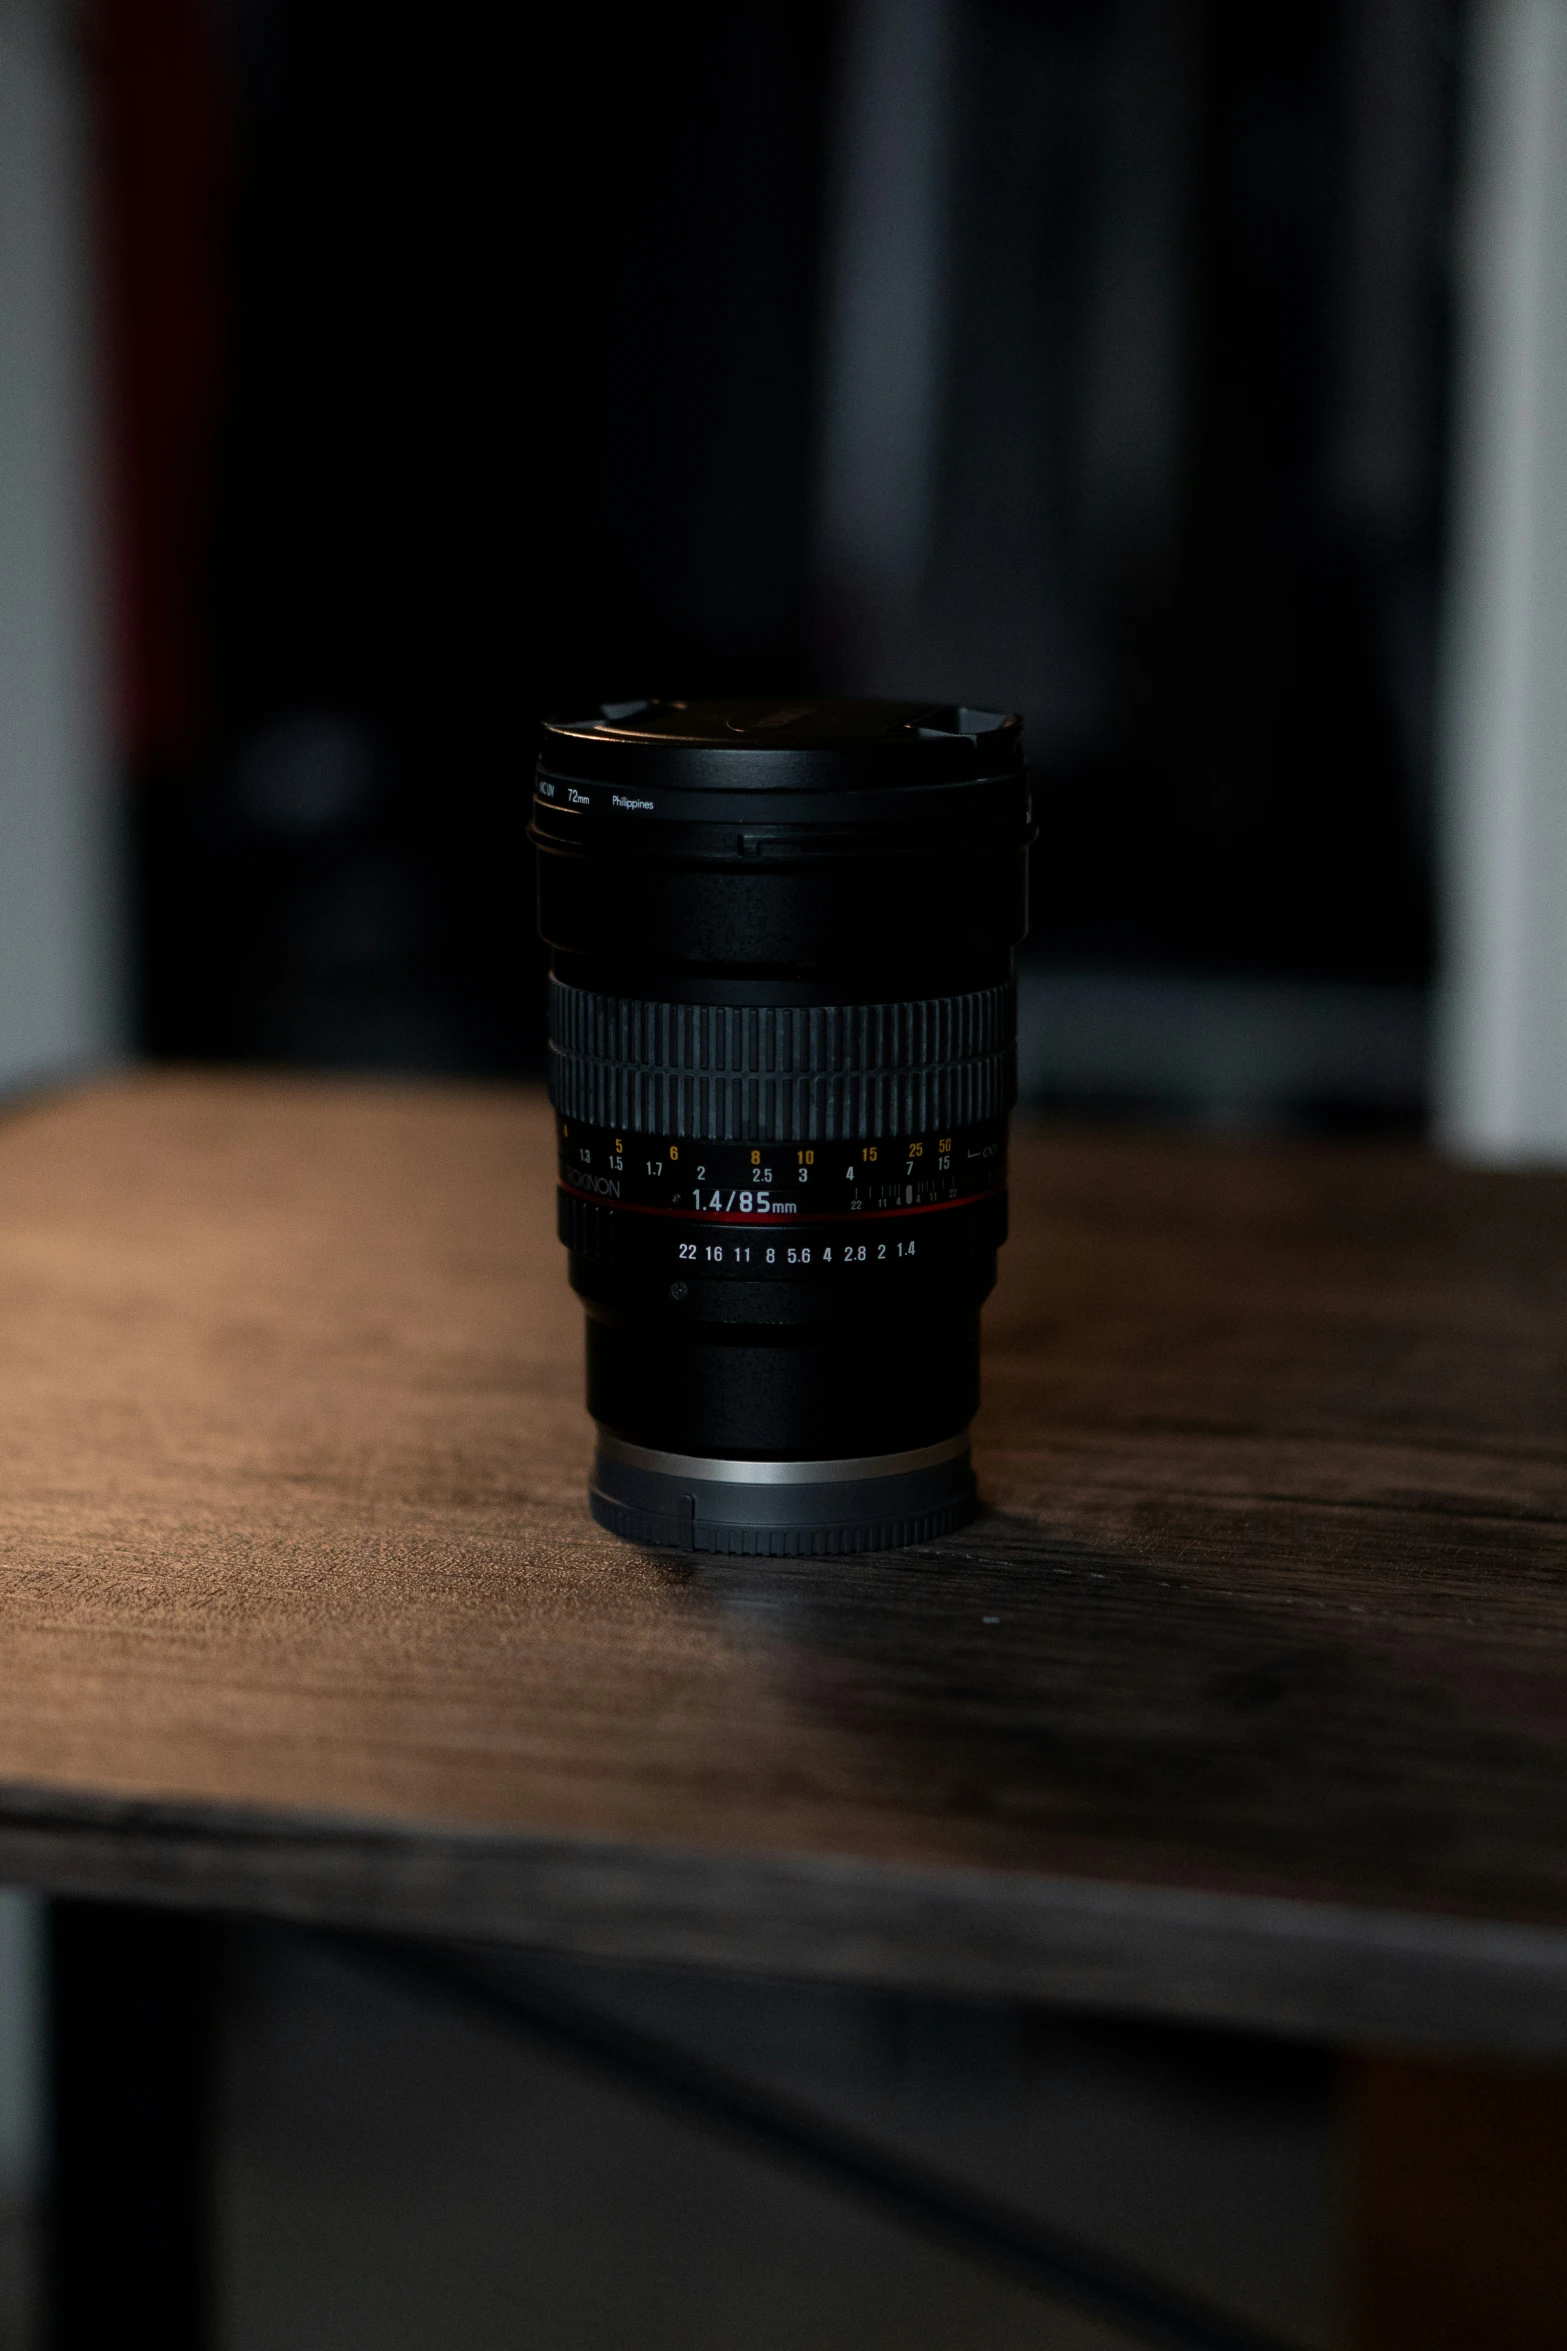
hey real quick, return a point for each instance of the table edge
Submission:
(1305, 1969)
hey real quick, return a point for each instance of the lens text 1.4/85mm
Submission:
(782, 1055)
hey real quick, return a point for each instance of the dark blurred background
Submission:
(1083, 359)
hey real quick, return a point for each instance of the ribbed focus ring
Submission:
(782, 1073)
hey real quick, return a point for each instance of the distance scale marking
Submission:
(781, 1206)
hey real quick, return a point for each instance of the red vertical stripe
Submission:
(160, 155)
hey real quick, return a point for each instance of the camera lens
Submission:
(782, 1056)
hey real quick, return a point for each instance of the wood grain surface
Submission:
(1246, 1697)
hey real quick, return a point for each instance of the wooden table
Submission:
(1244, 1700)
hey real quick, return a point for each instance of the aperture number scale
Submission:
(799, 1253)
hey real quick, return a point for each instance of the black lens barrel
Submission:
(782, 1033)
(780, 1073)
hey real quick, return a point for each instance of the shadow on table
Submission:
(1017, 1694)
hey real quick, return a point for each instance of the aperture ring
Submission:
(782, 1073)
